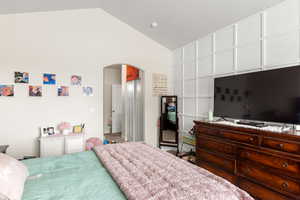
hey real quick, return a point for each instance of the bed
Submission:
(133, 171)
(71, 177)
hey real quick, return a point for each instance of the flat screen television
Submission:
(270, 96)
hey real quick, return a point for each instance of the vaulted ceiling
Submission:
(179, 22)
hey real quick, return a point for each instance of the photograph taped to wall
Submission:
(159, 84)
(63, 91)
(87, 91)
(7, 90)
(35, 91)
(49, 79)
(76, 80)
(21, 77)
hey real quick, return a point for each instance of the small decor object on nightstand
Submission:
(64, 128)
(78, 128)
(3, 148)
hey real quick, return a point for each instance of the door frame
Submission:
(123, 93)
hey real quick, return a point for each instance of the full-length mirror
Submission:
(168, 122)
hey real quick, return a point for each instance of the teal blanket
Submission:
(78, 176)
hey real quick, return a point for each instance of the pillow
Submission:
(13, 174)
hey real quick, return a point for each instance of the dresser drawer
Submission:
(260, 192)
(225, 163)
(281, 145)
(230, 177)
(266, 178)
(215, 145)
(207, 131)
(240, 137)
(272, 161)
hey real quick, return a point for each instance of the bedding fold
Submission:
(146, 173)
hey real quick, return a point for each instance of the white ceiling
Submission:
(179, 22)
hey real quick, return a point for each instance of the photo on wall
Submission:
(76, 80)
(63, 91)
(87, 91)
(7, 90)
(35, 91)
(49, 79)
(21, 77)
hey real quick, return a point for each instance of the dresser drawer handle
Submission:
(284, 185)
(251, 139)
(247, 154)
(248, 170)
(285, 165)
(280, 146)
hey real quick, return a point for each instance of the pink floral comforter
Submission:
(146, 173)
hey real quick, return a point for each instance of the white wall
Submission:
(111, 76)
(266, 40)
(69, 42)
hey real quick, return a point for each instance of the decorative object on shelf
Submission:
(189, 140)
(63, 91)
(76, 80)
(3, 148)
(44, 132)
(35, 91)
(7, 90)
(87, 91)
(21, 77)
(49, 79)
(64, 128)
(78, 128)
(159, 84)
(210, 116)
(50, 130)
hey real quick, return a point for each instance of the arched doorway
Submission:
(123, 103)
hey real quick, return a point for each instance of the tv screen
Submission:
(272, 96)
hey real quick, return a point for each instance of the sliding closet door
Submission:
(134, 112)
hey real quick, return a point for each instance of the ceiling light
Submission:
(154, 25)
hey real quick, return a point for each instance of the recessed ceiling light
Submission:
(154, 25)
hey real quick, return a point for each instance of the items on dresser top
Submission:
(264, 127)
(265, 163)
(3, 148)
(63, 128)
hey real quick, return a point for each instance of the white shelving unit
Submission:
(59, 145)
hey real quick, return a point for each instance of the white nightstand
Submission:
(58, 145)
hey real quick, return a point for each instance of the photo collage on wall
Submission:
(8, 90)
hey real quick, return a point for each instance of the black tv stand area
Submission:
(256, 124)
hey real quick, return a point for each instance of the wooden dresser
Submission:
(265, 164)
